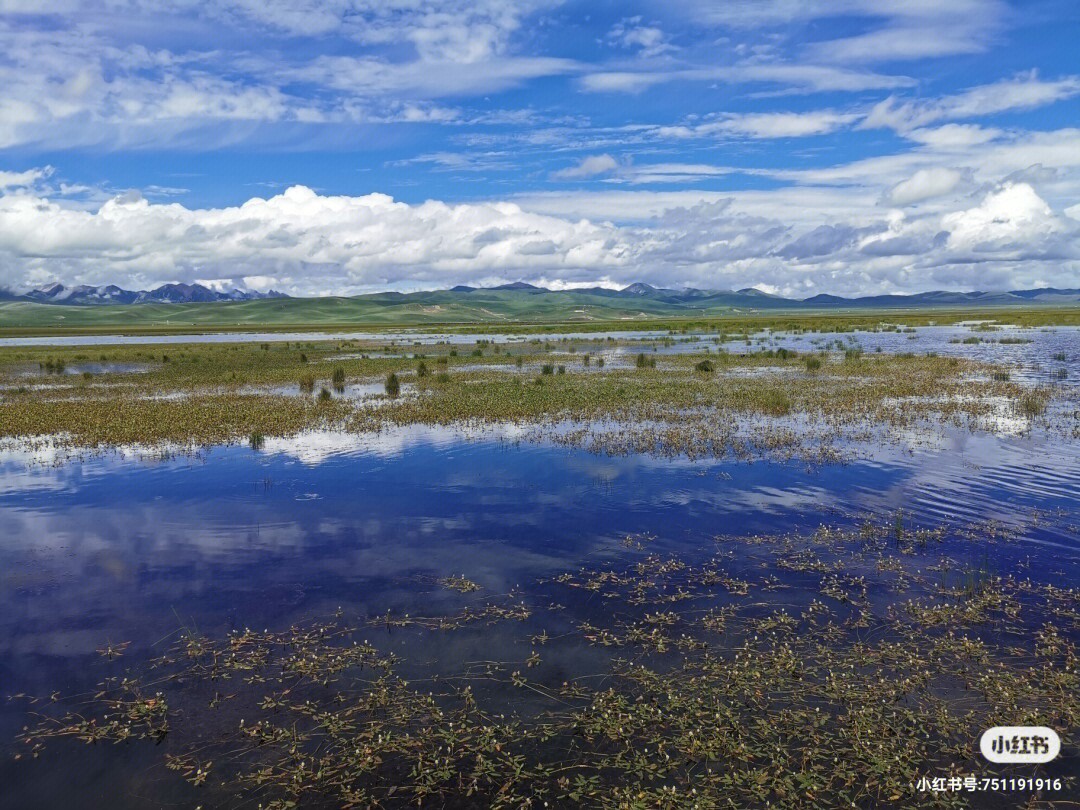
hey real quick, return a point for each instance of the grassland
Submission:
(489, 310)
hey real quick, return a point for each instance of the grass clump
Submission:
(459, 583)
(1032, 403)
(705, 367)
(392, 385)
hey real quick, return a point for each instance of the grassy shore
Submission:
(334, 315)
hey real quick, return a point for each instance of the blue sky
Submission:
(842, 146)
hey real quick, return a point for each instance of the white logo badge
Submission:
(1020, 744)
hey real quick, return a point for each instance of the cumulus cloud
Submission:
(1011, 218)
(925, 184)
(799, 241)
(306, 241)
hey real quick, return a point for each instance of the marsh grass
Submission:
(651, 680)
(663, 404)
(1032, 403)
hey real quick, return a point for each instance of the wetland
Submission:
(791, 564)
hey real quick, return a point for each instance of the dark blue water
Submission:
(113, 548)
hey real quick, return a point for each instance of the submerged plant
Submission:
(689, 687)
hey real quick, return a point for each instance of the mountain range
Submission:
(692, 299)
(111, 294)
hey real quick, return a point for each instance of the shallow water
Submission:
(403, 339)
(118, 548)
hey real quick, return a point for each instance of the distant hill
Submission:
(688, 298)
(175, 306)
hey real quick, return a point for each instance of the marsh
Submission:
(612, 587)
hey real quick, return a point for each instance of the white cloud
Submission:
(1024, 92)
(89, 79)
(1013, 217)
(925, 184)
(792, 77)
(944, 35)
(954, 136)
(887, 31)
(649, 40)
(654, 173)
(372, 77)
(798, 239)
(588, 167)
(626, 81)
(26, 179)
(780, 124)
(325, 243)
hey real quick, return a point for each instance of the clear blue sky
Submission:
(843, 146)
